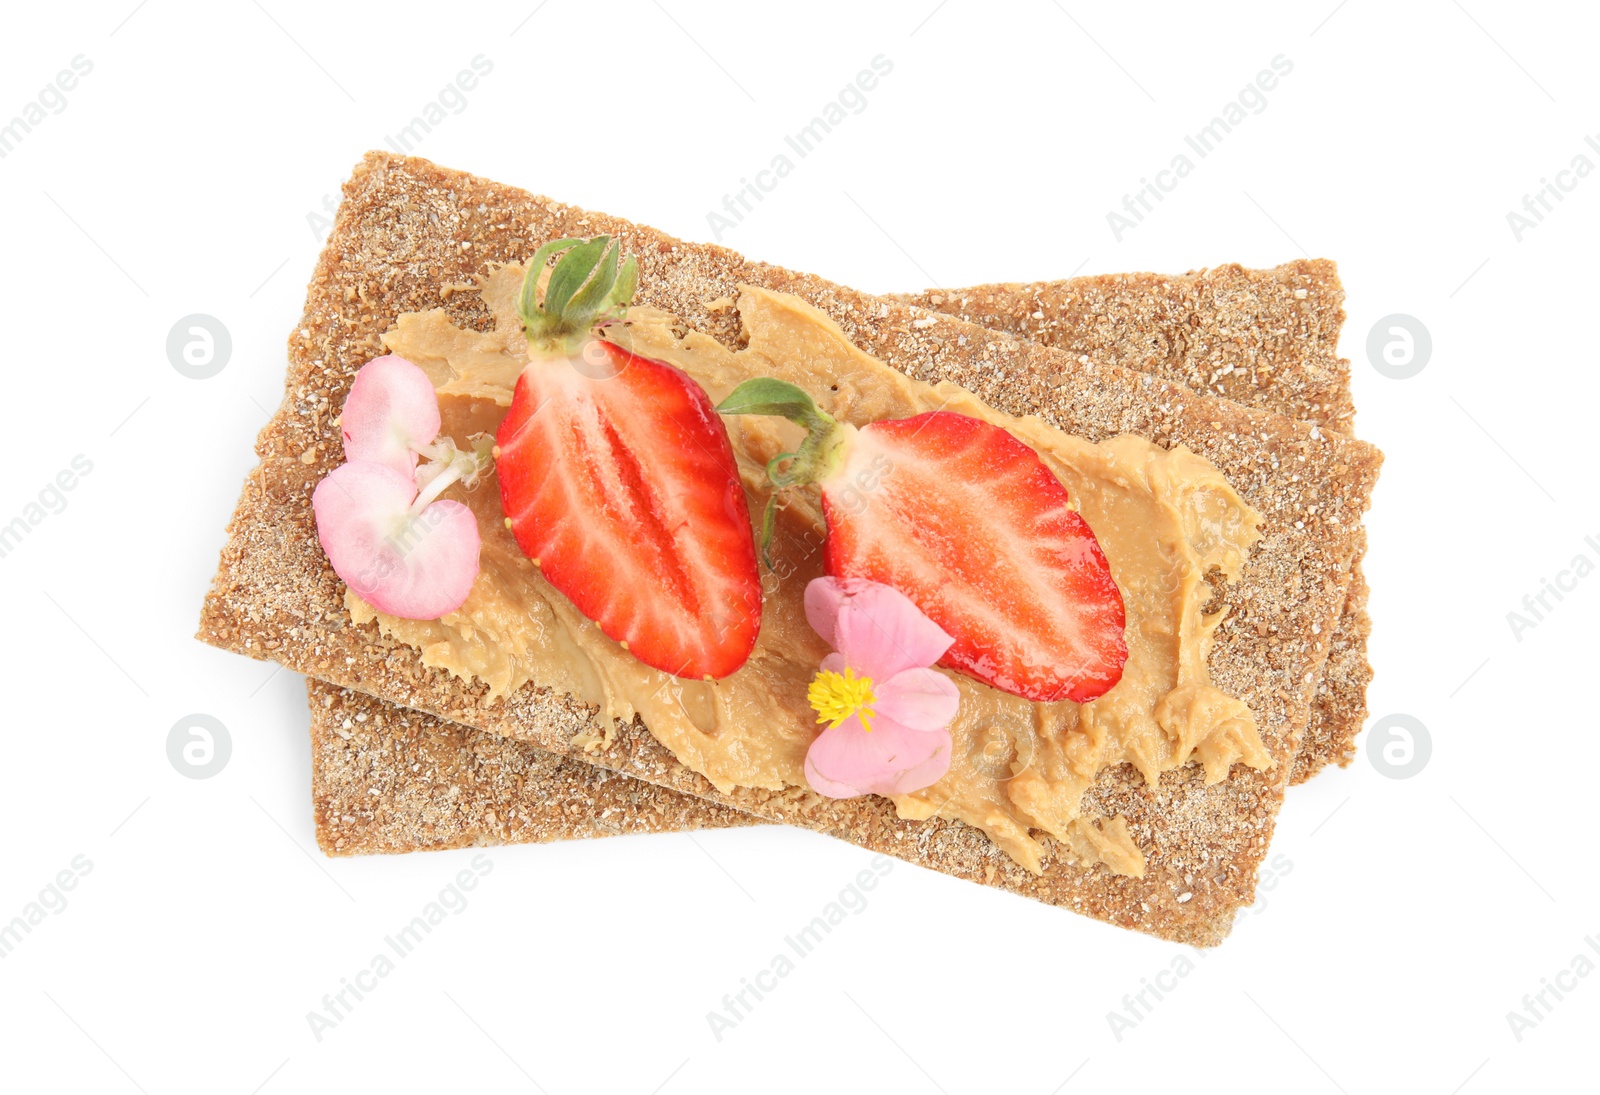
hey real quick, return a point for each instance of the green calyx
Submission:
(818, 455)
(591, 284)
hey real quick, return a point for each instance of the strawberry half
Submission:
(618, 480)
(970, 524)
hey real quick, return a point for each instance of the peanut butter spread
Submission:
(1165, 519)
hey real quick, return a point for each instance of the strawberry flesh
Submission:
(970, 524)
(617, 476)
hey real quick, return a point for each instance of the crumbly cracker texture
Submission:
(389, 779)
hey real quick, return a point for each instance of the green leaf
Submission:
(766, 395)
(819, 454)
(591, 282)
(593, 298)
(529, 305)
(570, 274)
(627, 282)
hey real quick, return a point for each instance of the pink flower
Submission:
(399, 548)
(888, 713)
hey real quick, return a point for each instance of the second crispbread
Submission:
(389, 779)
(409, 231)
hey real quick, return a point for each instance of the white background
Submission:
(1409, 916)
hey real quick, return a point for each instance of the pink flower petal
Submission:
(826, 787)
(392, 412)
(920, 699)
(847, 761)
(823, 598)
(927, 773)
(419, 568)
(880, 632)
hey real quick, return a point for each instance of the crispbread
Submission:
(388, 779)
(408, 232)
(1263, 338)
(1130, 310)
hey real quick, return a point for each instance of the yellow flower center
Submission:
(837, 696)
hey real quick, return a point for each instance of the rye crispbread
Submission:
(1213, 324)
(389, 779)
(1262, 338)
(409, 232)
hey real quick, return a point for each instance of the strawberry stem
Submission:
(818, 455)
(591, 284)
